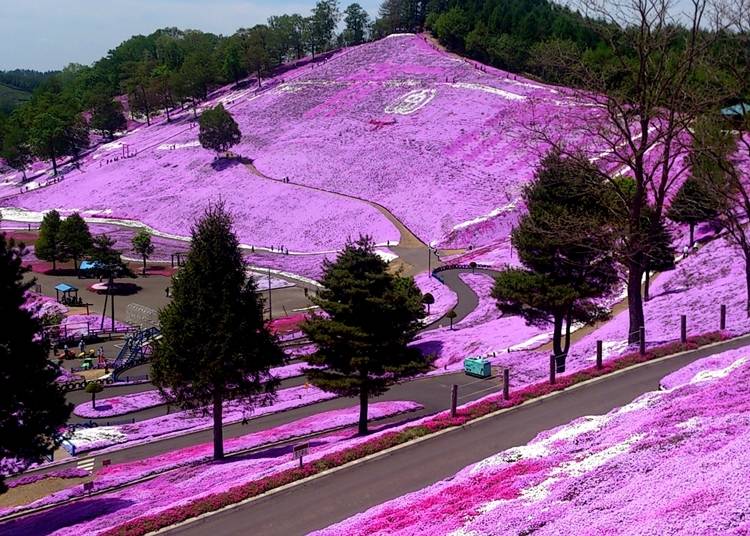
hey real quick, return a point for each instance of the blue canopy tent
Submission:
(90, 266)
(66, 290)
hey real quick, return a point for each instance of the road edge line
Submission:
(389, 450)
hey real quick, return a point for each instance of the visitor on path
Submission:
(66, 351)
(81, 345)
(685, 251)
(166, 290)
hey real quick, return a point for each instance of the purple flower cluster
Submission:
(669, 462)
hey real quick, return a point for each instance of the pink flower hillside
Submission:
(445, 298)
(670, 462)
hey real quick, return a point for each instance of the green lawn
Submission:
(11, 97)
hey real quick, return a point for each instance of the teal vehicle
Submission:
(477, 366)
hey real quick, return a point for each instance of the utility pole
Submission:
(270, 302)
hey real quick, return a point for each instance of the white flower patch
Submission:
(411, 102)
(461, 531)
(524, 452)
(386, 255)
(693, 423)
(589, 463)
(489, 89)
(642, 402)
(711, 375)
(170, 146)
(496, 212)
(589, 423)
(87, 436)
(539, 492)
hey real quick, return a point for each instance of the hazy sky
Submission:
(49, 34)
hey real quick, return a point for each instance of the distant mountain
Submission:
(11, 97)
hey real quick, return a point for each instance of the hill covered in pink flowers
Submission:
(671, 462)
(439, 141)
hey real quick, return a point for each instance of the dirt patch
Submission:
(38, 490)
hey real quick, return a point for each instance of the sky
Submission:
(49, 34)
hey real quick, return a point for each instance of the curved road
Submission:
(336, 496)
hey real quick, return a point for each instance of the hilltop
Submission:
(440, 141)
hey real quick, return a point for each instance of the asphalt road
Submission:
(335, 497)
(467, 299)
(432, 392)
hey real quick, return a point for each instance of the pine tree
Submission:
(372, 316)
(143, 246)
(48, 246)
(693, 204)
(16, 150)
(218, 130)
(74, 238)
(107, 117)
(215, 345)
(32, 408)
(565, 245)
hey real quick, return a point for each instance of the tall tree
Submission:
(15, 148)
(325, 17)
(215, 345)
(74, 238)
(565, 244)
(655, 80)
(693, 204)
(107, 116)
(143, 246)
(357, 24)
(371, 316)
(48, 246)
(659, 251)
(32, 407)
(218, 129)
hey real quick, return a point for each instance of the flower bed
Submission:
(49, 310)
(72, 472)
(182, 422)
(124, 404)
(193, 460)
(380, 441)
(445, 298)
(671, 462)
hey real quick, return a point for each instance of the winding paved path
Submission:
(334, 497)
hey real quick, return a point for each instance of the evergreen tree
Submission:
(372, 316)
(32, 407)
(74, 238)
(215, 345)
(107, 117)
(143, 246)
(218, 130)
(48, 246)
(323, 22)
(659, 252)
(565, 245)
(357, 24)
(16, 150)
(694, 203)
(103, 252)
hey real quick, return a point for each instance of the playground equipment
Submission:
(136, 350)
(478, 367)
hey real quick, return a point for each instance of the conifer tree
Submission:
(48, 246)
(75, 238)
(565, 244)
(215, 345)
(32, 407)
(694, 203)
(371, 316)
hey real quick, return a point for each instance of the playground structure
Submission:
(136, 350)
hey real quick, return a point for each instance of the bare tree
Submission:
(639, 104)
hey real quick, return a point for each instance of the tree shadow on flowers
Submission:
(430, 348)
(62, 517)
(220, 164)
(273, 452)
